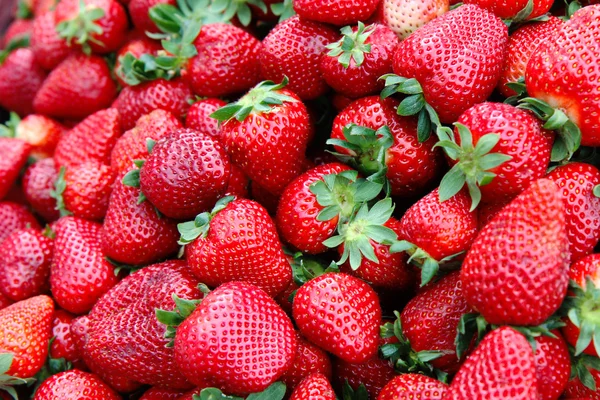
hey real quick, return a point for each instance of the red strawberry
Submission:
(139, 12)
(75, 385)
(13, 217)
(79, 273)
(25, 333)
(294, 49)
(314, 387)
(372, 374)
(340, 314)
(553, 366)
(488, 211)
(38, 183)
(157, 393)
(237, 241)
(238, 183)
(354, 63)
(81, 80)
(25, 258)
(20, 79)
(41, 132)
(48, 47)
(14, 156)
(336, 12)
(524, 247)
(232, 314)
(577, 390)
(507, 9)
(309, 359)
(17, 30)
(406, 17)
(198, 117)
(413, 387)
(63, 345)
(136, 46)
(502, 366)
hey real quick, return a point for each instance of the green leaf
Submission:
(411, 105)
(401, 245)
(452, 183)
(132, 178)
(6, 360)
(380, 234)
(486, 143)
(423, 126)
(274, 392)
(525, 12)
(428, 271)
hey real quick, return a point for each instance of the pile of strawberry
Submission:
(300, 199)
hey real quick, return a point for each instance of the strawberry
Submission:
(502, 366)
(340, 314)
(522, 43)
(354, 63)
(236, 241)
(25, 258)
(139, 12)
(38, 183)
(266, 134)
(17, 30)
(79, 274)
(4, 301)
(41, 132)
(577, 390)
(49, 49)
(309, 360)
(238, 183)
(20, 79)
(157, 393)
(525, 246)
(405, 17)
(25, 333)
(231, 314)
(576, 183)
(13, 217)
(14, 156)
(75, 385)
(80, 80)
(413, 387)
(293, 49)
(198, 117)
(63, 345)
(553, 366)
(314, 387)
(515, 9)
(340, 12)
(371, 375)
(137, 46)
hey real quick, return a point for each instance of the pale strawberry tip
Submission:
(82, 27)
(352, 45)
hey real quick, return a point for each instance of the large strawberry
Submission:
(413, 387)
(75, 385)
(14, 157)
(405, 17)
(20, 79)
(336, 12)
(526, 247)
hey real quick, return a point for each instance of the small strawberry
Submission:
(137, 46)
(75, 385)
(38, 183)
(62, 345)
(553, 366)
(20, 79)
(198, 117)
(14, 156)
(14, 217)
(49, 49)
(577, 389)
(309, 359)
(314, 387)
(515, 9)
(413, 387)
(41, 132)
(336, 12)
(405, 17)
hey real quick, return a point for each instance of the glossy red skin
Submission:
(198, 117)
(79, 79)
(157, 393)
(336, 12)
(92, 140)
(25, 258)
(430, 320)
(133, 233)
(359, 81)
(576, 390)
(413, 387)
(37, 183)
(14, 157)
(560, 74)
(124, 335)
(374, 374)
(136, 101)
(41, 132)
(89, 186)
(435, 55)
(63, 345)
(576, 182)
(522, 137)
(25, 331)
(553, 366)
(13, 217)
(507, 9)
(77, 385)
(231, 314)
(524, 247)
(294, 49)
(20, 79)
(48, 47)
(138, 10)
(340, 314)
(412, 166)
(314, 387)
(114, 23)
(136, 46)
(440, 229)
(309, 359)
(269, 147)
(241, 245)
(227, 62)
(80, 274)
(17, 29)
(488, 211)
(522, 43)
(502, 366)
(298, 208)
(238, 183)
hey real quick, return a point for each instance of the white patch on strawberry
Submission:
(406, 16)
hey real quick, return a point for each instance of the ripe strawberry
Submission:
(80, 80)
(522, 43)
(354, 63)
(524, 247)
(41, 132)
(157, 393)
(137, 46)
(405, 17)
(13, 217)
(25, 258)
(20, 79)
(63, 345)
(230, 315)
(577, 390)
(139, 12)
(553, 366)
(25, 332)
(198, 117)
(488, 211)
(237, 241)
(14, 156)
(294, 49)
(49, 49)
(309, 359)
(314, 387)
(576, 183)
(340, 12)
(75, 385)
(502, 366)
(238, 183)
(79, 274)
(266, 134)
(372, 374)
(17, 30)
(413, 387)
(509, 9)
(38, 182)
(340, 314)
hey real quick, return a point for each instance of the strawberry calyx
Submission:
(199, 227)
(571, 8)
(24, 11)
(237, 8)
(260, 99)
(473, 163)
(283, 10)
(120, 267)
(275, 391)
(413, 104)
(582, 307)
(51, 367)
(352, 46)
(9, 129)
(306, 267)
(6, 381)
(580, 368)
(60, 184)
(82, 27)
(349, 393)
(15, 43)
(403, 357)
(132, 178)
